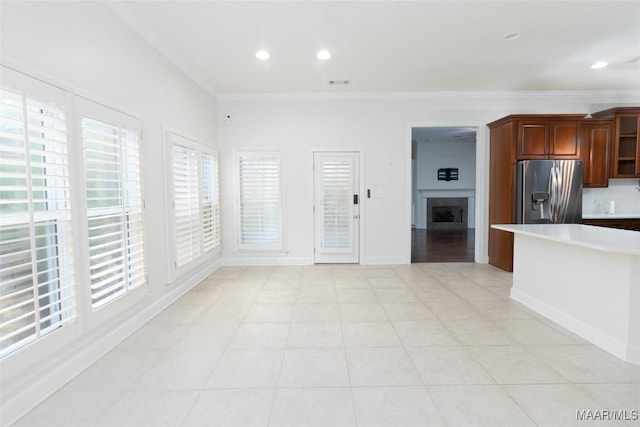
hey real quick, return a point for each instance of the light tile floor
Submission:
(347, 345)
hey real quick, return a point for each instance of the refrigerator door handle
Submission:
(553, 194)
(566, 176)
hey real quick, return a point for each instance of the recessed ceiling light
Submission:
(512, 36)
(262, 54)
(599, 64)
(324, 55)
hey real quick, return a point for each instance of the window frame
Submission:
(203, 253)
(57, 255)
(89, 109)
(270, 247)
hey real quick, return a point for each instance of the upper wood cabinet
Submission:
(625, 150)
(549, 137)
(597, 136)
(533, 138)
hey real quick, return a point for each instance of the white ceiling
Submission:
(395, 46)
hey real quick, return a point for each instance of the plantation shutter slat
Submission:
(186, 204)
(337, 203)
(210, 201)
(114, 209)
(260, 200)
(195, 199)
(36, 257)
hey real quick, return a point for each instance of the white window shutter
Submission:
(210, 202)
(114, 209)
(260, 200)
(36, 256)
(337, 203)
(186, 204)
(196, 202)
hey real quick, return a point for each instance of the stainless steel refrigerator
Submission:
(549, 191)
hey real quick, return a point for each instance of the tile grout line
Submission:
(346, 358)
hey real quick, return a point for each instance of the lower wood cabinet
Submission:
(622, 223)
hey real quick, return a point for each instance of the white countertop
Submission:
(600, 238)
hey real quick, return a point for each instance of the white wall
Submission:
(85, 48)
(381, 126)
(435, 155)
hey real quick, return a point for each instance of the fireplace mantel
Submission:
(424, 194)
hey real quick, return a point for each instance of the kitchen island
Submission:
(585, 278)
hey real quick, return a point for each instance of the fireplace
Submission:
(447, 213)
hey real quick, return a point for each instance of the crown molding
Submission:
(633, 95)
(129, 18)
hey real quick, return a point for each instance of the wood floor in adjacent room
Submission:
(442, 245)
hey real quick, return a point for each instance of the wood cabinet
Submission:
(632, 224)
(622, 223)
(502, 181)
(625, 150)
(522, 137)
(548, 137)
(597, 136)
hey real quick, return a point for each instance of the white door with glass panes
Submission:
(336, 207)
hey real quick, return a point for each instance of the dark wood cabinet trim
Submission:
(537, 117)
(632, 224)
(611, 112)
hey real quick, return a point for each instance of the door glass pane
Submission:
(337, 203)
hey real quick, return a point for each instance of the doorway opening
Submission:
(443, 194)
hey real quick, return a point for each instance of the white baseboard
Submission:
(248, 261)
(392, 260)
(578, 327)
(87, 352)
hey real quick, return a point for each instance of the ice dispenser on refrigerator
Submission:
(549, 191)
